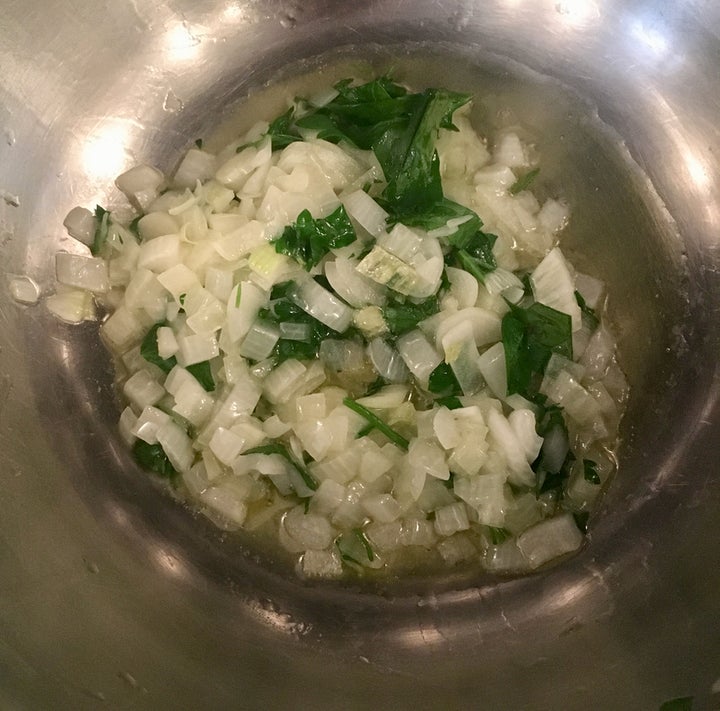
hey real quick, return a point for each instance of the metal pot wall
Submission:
(112, 595)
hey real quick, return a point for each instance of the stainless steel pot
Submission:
(114, 596)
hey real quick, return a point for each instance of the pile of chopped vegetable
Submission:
(353, 326)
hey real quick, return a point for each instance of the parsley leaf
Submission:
(442, 381)
(102, 216)
(590, 472)
(377, 423)
(149, 351)
(283, 310)
(530, 336)
(203, 374)
(281, 130)
(402, 317)
(498, 535)
(153, 458)
(524, 181)
(588, 314)
(354, 547)
(309, 240)
(451, 402)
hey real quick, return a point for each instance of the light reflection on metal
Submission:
(577, 14)
(650, 39)
(104, 153)
(181, 43)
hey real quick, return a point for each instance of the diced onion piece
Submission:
(147, 425)
(321, 305)
(177, 445)
(553, 215)
(246, 299)
(387, 362)
(366, 212)
(427, 456)
(82, 272)
(509, 151)
(385, 268)
(141, 185)
(463, 285)
(418, 355)
(178, 280)
(549, 539)
(282, 382)
(461, 354)
(386, 398)
(160, 253)
(493, 368)
(523, 424)
(123, 328)
(23, 289)
(260, 340)
(157, 224)
(381, 507)
(451, 519)
(352, 286)
(511, 449)
(142, 389)
(310, 531)
(71, 305)
(81, 224)
(195, 165)
(196, 348)
(486, 494)
(321, 564)
(554, 285)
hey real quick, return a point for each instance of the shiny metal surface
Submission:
(113, 596)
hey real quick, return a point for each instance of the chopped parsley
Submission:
(376, 423)
(588, 314)
(153, 458)
(202, 371)
(590, 472)
(102, 217)
(403, 316)
(442, 381)
(309, 240)
(530, 336)
(524, 181)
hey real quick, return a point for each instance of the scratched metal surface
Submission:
(113, 596)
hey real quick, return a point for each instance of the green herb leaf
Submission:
(524, 181)
(203, 374)
(442, 381)
(498, 535)
(451, 402)
(589, 314)
(590, 472)
(530, 336)
(282, 310)
(281, 130)
(153, 458)
(581, 520)
(407, 153)
(355, 548)
(199, 143)
(309, 240)
(149, 350)
(101, 230)
(282, 450)
(402, 317)
(377, 423)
